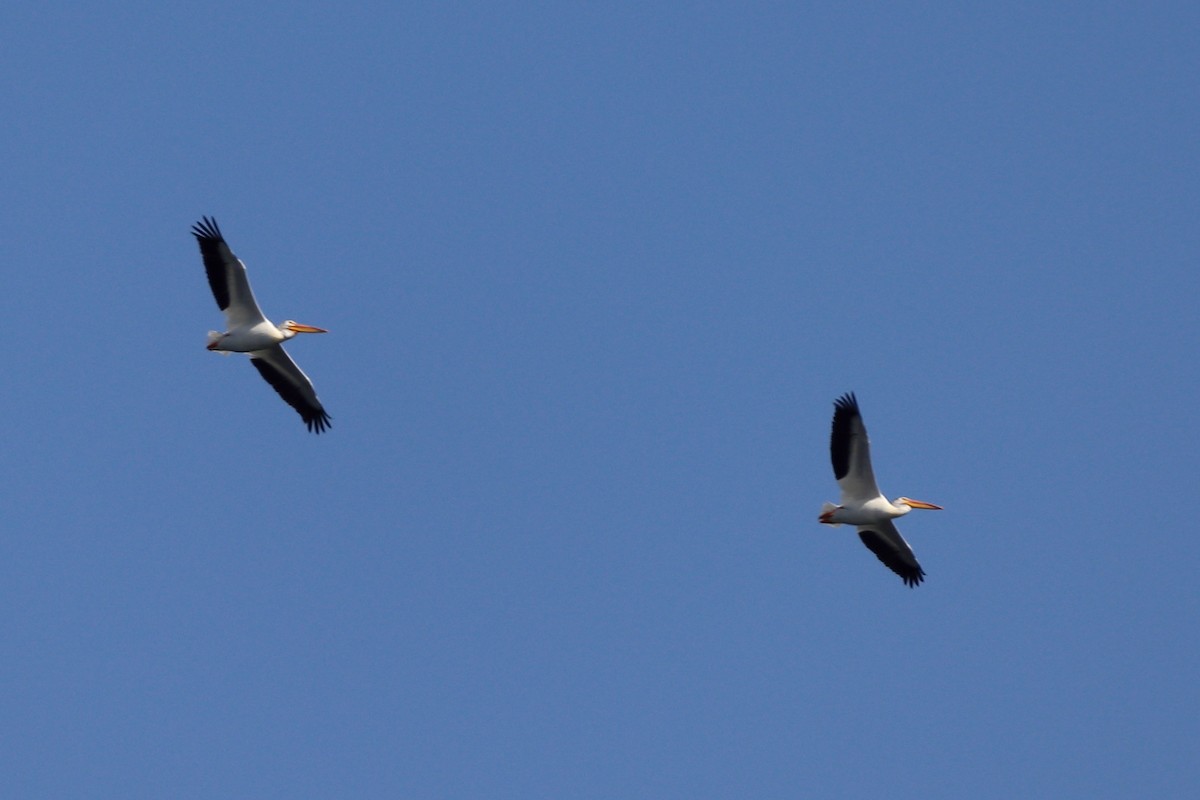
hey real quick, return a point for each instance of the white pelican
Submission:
(252, 333)
(863, 505)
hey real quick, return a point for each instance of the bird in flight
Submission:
(250, 332)
(863, 505)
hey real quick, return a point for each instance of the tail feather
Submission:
(826, 508)
(213, 338)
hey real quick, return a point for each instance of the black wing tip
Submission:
(845, 410)
(911, 574)
(207, 228)
(214, 251)
(318, 423)
(316, 419)
(847, 402)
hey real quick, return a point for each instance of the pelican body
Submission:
(260, 336)
(252, 333)
(862, 504)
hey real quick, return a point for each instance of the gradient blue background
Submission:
(594, 275)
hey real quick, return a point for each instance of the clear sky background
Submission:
(594, 274)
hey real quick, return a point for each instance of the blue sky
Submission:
(594, 274)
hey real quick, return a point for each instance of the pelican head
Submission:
(908, 501)
(290, 328)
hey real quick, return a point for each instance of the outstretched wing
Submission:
(278, 369)
(889, 546)
(226, 276)
(850, 451)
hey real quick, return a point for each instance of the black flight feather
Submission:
(906, 567)
(844, 414)
(214, 251)
(314, 416)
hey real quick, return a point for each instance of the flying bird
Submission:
(253, 334)
(863, 505)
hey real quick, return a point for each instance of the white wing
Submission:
(278, 369)
(850, 451)
(227, 277)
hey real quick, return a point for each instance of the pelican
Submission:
(252, 333)
(863, 505)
